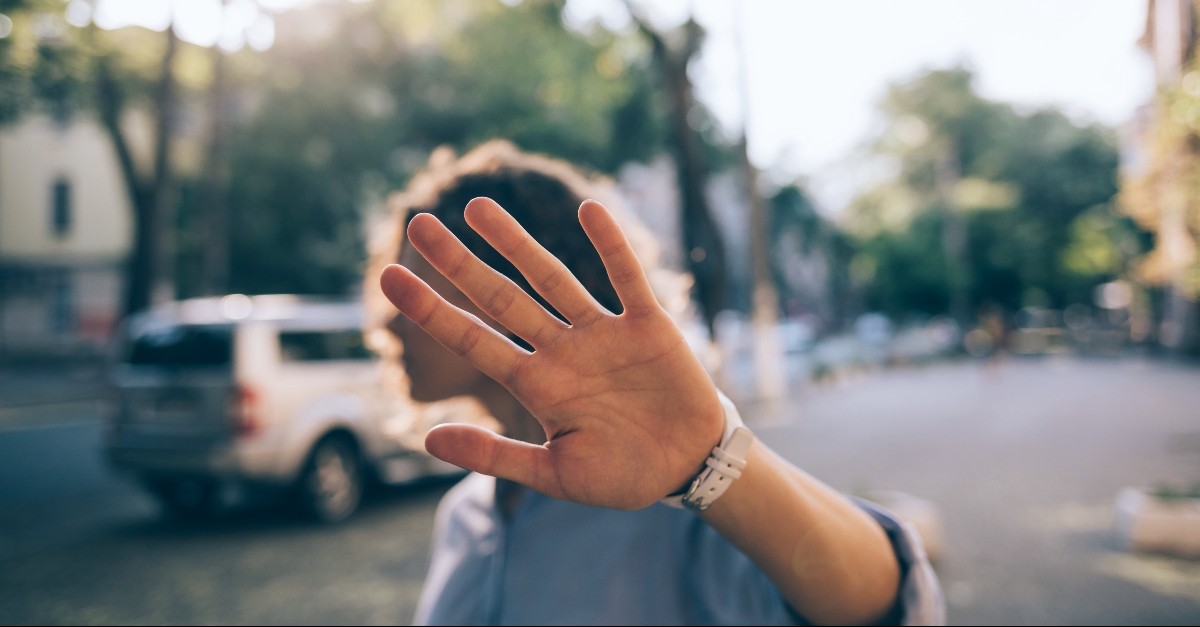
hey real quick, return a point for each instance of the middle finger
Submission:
(545, 272)
(497, 295)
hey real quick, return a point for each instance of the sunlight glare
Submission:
(152, 14)
(79, 13)
(261, 34)
(200, 22)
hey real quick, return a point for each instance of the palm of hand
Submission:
(628, 410)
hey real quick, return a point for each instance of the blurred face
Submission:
(434, 372)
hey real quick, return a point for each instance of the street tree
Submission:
(346, 112)
(126, 79)
(703, 246)
(1163, 194)
(989, 206)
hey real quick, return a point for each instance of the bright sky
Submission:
(818, 67)
(198, 21)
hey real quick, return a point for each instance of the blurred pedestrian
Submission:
(550, 319)
(991, 320)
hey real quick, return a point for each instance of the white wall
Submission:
(59, 292)
(33, 155)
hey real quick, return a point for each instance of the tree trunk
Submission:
(954, 237)
(162, 183)
(214, 203)
(150, 196)
(702, 245)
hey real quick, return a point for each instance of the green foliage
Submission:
(1163, 194)
(1174, 493)
(334, 121)
(807, 260)
(791, 209)
(937, 113)
(1100, 243)
(518, 73)
(343, 109)
(1032, 190)
(47, 65)
(905, 272)
(39, 64)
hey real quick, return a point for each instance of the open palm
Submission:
(628, 410)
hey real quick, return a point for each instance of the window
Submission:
(60, 209)
(183, 346)
(323, 345)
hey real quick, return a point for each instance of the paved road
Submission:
(1024, 461)
(80, 545)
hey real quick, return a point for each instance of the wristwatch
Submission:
(722, 467)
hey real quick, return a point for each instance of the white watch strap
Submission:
(722, 466)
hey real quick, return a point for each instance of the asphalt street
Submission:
(1023, 460)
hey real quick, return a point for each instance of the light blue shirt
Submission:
(557, 562)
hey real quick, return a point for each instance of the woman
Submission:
(605, 411)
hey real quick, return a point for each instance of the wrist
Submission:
(721, 468)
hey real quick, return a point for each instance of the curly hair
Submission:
(542, 194)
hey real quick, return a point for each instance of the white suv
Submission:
(257, 391)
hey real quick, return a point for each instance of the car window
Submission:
(297, 346)
(183, 346)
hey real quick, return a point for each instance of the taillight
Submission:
(245, 418)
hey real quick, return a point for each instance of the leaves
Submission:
(344, 108)
(331, 121)
(1024, 182)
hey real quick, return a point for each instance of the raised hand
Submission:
(629, 412)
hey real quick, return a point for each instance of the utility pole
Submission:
(768, 358)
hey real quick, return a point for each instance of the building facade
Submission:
(65, 232)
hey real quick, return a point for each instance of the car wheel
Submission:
(332, 483)
(185, 498)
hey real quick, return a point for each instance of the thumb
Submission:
(484, 451)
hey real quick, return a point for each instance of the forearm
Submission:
(832, 561)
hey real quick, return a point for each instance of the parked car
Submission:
(264, 391)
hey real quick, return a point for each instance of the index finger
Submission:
(460, 332)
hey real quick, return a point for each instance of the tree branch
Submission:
(110, 101)
(165, 111)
